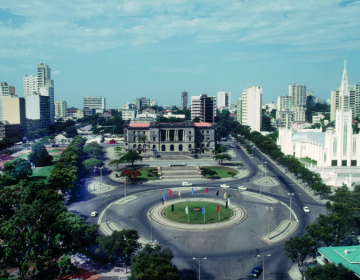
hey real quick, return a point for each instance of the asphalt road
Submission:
(231, 253)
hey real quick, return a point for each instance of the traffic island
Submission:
(237, 214)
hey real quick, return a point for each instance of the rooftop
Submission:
(139, 125)
(317, 137)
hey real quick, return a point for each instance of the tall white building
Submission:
(223, 99)
(298, 94)
(239, 110)
(203, 107)
(48, 90)
(331, 148)
(30, 84)
(43, 75)
(60, 109)
(284, 102)
(251, 108)
(38, 108)
(94, 102)
(153, 103)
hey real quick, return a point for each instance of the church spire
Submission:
(344, 94)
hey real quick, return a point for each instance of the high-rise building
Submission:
(153, 103)
(43, 75)
(95, 102)
(239, 110)
(60, 109)
(38, 108)
(6, 89)
(184, 99)
(30, 84)
(14, 110)
(298, 94)
(284, 102)
(48, 90)
(354, 93)
(203, 107)
(142, 102)
(223, 99)
(251, 108)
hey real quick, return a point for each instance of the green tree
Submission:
(221, 149)
(71, 132)
(39, 155)
(63, 177)
(329, 271)
(154, 264)
(207, 172)
(92, 163)
(122, 243)
(131, 156)
(298, 248)
(18, 169)
(116, 162)
(322, 230)
(94, 150)
(143, 139)
(221, 157)
(6, 180)
(64, 263)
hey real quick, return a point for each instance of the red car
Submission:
(111, 142)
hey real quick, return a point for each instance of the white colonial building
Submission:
(333, 148)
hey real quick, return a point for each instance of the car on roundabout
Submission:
(256, 271)
(306, 209)
(224, 186)
(94, 214)
(186, 184)
(242, 188)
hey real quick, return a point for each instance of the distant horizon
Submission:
(132, 49)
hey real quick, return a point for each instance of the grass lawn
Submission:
(55, 151)
(196, 217)
(222, 171)
(145, 173)
(42, 172)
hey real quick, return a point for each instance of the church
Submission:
(334, 148)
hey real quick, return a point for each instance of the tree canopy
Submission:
(131, 156)
(17, 169)
(39, 156)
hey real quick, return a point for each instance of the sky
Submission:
(123, 50)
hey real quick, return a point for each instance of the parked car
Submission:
(94, 214)
(256, 271)
(306, 209)
(242, 188)
(111, 142)
(186, 184)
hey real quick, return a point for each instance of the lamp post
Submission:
(199, 264)
(291, 195)
(101, 168)
(260, 173)
(150, 214)
(269, 255)
(106, 196)
(265, 171)
(269, 209)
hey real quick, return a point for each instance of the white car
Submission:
(94, 214)
(186, 184)
(224, 186)
(242, 188)
(306, 209)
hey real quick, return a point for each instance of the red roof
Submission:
(354, 121)
(202, 124)
(139, 125)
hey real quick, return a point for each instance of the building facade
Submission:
(223, 99)
(5, 89)
(284, 102)
(30, 84)
(127, 114)
(184, 99)
(38, 108)
(339, 147)
(48, 90)
(354, 99)
(141, 102)
(60, 109)
(251, 108)
(204, 108)
(14, 110)
(239, 110)
(178, 138)
(298, 94)
(91, 102)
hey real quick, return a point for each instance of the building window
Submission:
(207, 131)
(171, 147)
(134, 138)
(189, 132)
(324, 157)
(208, 138)
(208, 145)
(154, 139)
(334, 163)
(189, 146)
(139, 146)
(163, 149)
(354, 147)
(134, 146)
(180, 147)
(344, 163)
(345, 141)
(335, 147)
(189, 138)
(133, 132)
(353, 163)
(154, 147)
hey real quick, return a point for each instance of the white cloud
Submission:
(91, 25)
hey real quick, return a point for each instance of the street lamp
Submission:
(199, 263)
(265, 171)
(269, 255)
(269, 209)
(291, 195)
(260, 173)
(150, 214)
(106, 196)
(101, 168)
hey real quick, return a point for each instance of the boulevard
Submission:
(231, 252)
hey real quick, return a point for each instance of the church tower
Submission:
(344, 121)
